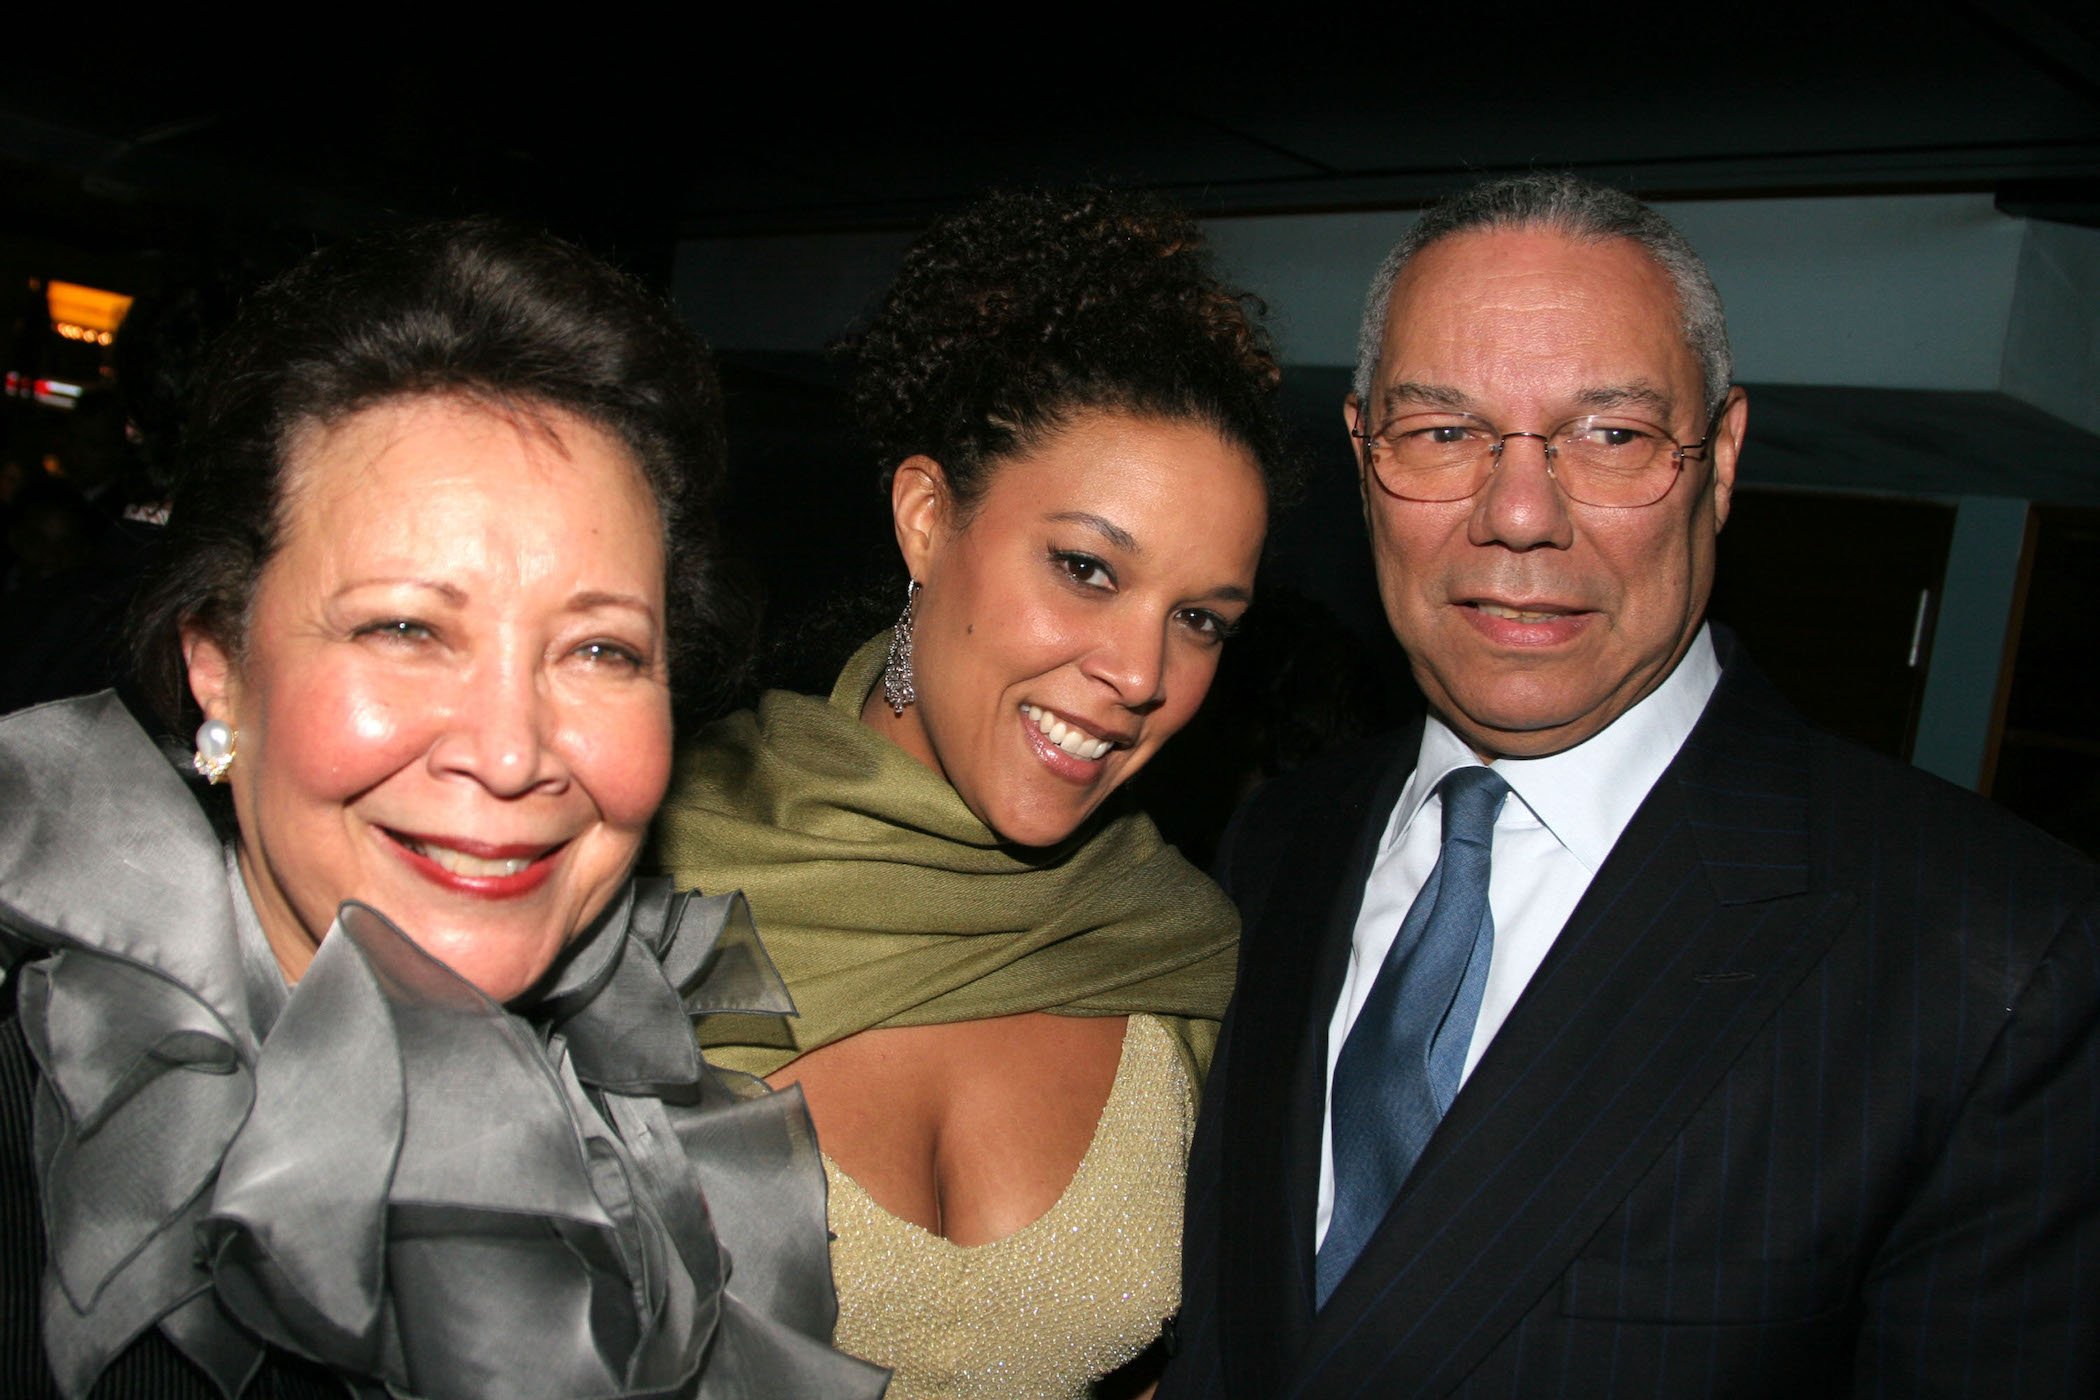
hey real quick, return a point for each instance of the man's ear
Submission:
(1727, 445)
(921, 507)
(1352, 417)
(213, 679)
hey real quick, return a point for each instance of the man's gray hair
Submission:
(1583, 210)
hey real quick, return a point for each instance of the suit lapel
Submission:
(1296, 952)
(1697, 926)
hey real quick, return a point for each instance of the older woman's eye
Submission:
(612, 654)
(396, 629)
(1083, 569)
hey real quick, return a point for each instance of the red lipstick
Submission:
(539, 863)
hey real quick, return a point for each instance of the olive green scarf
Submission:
(885, 902)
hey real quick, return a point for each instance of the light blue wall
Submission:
(1900, 291)
(1311, 269)
(2052, 350)
(1968, 646)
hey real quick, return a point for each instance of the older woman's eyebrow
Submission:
(1115, 534)
(591, 599)
(452, 593)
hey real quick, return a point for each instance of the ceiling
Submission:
(638, 146)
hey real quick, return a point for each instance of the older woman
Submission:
(396, 1086)
(1009, 985)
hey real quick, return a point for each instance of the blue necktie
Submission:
(1400, 1066)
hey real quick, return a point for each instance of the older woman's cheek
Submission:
(370, 721)
(627, 755)
(367, 720)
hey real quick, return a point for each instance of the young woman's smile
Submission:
(1071, 618)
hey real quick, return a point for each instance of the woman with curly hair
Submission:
(1008, 986)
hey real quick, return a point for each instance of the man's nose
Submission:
(1521, 506)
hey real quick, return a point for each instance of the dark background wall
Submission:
(1900, 205)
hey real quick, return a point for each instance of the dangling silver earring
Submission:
(897, 685)
(215, 738)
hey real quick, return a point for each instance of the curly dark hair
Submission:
(1030, 306)
(517, 318)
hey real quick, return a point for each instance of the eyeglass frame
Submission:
(1678, 452)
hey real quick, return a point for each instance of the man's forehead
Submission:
(1502, 248)
(1601, 308)
(1531, 265)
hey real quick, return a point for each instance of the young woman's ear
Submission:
(919, 508)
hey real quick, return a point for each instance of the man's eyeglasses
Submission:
(1599, 460)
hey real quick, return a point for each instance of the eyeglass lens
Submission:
(1598, 461)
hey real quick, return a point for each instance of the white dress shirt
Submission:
(1564, 814)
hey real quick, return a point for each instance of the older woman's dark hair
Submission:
(519, 320)
(1029, 307)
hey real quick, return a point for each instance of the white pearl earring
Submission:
(214, 750)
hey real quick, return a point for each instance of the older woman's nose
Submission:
(502, 733)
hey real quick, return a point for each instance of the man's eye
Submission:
(1611, 435)
(1439, 434)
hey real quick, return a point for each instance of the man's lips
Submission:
(1523, 612)
(1529, 623)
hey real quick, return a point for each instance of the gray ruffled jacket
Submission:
(383, 1172)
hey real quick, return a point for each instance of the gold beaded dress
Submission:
(1052, 1308)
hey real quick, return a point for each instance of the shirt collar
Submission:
(1587, 794)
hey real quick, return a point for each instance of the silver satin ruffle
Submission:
(406, 1181)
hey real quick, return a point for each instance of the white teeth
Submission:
(1514, 614)
(460, 863)
(1073, 741)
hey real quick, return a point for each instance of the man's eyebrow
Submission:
(1409, 393)
(1635, 395)
(1114, 533)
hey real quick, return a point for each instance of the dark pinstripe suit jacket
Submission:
(1804, 1101)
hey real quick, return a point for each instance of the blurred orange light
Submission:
(89, 308)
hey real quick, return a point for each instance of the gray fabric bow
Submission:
(407, 1181)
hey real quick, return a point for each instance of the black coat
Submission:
(1805, 1100)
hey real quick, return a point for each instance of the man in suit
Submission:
(1614, 1032)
